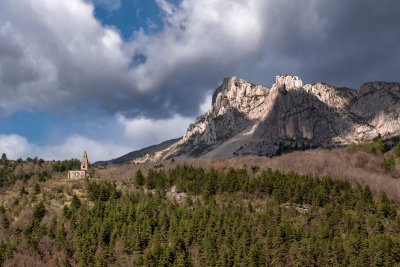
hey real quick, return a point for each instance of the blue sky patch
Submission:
(132, 15)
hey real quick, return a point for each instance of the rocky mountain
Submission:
(249, 119)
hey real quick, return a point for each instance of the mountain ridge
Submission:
(248, 119)
(139, 153)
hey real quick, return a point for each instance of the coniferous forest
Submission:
(189, 216)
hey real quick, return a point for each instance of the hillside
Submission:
(139, 153)
(247, 119)
(185, 215)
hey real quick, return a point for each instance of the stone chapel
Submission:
(83, 173)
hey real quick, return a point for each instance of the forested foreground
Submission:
(212, 219)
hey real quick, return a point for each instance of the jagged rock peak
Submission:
(234, 89)
(229, 84)
(289, 81)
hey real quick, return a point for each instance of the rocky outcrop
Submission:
(235, 106)
(248, 119)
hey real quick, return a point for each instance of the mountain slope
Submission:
(249, 119)
(246, 119)
(139, 153)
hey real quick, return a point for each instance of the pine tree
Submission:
(139, 179)
(181, 261)
(60, 238)
(4, 221)
(75, 203)
(151, 179)
(367, 195)
(167, 257)
(51, 230)
(39, 211)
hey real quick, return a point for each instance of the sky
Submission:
(113, 76)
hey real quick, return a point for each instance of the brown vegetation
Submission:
(22, 198)
(358, 167)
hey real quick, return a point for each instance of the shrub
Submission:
(43, 176)
(397, 149)
(66, 165)
(5, 222)
(389, 163)
(36, 188)
(373, 147)
(255, 168)
(139, 179)
(39, 211)
(361, 160)
(23, 191)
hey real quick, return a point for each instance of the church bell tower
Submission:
(84, 162)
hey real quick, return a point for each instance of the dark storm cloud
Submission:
(362, 43)
(339, 42)
(57, 56)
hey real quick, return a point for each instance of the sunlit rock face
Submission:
(249, 119)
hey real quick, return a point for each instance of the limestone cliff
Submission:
(248, 119)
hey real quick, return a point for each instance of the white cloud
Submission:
(205, 106)
(145, 132)
(55, 55)
(73, 148)
(205, 33)
(16, 146)
(137, 133)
